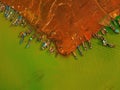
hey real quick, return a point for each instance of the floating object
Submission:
(17, 21)
(74, 55)
(2, 7)
(9, 15)
(89, 44)
(21, 40)
(104, 32)
(115, 25)
(84, 46)
(80, 50)
(44, 45)
(28, 43)
(39, 38)
(22, 35)
(51, 49)
(105, 43)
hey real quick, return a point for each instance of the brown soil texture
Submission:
(66, 22)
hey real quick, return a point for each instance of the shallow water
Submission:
(33, 69)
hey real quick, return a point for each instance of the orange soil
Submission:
(66, 22)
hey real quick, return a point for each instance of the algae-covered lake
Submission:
(33, 69)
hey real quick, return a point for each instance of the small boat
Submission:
(7, 11)
(17, 21)
(104, 31)
(74, 55)
(115, 26)
(84, 46)
(44, 45)
(89, 44)
(2, 7)
(80, 50)
(52, 49)
(29, 41)
(39, 39)
(22, 35)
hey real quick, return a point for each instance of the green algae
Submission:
(98, 69)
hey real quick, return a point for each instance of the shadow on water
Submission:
(36, 77)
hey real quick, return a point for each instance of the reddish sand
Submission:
(66, 22)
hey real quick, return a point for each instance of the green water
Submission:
(33, 69)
